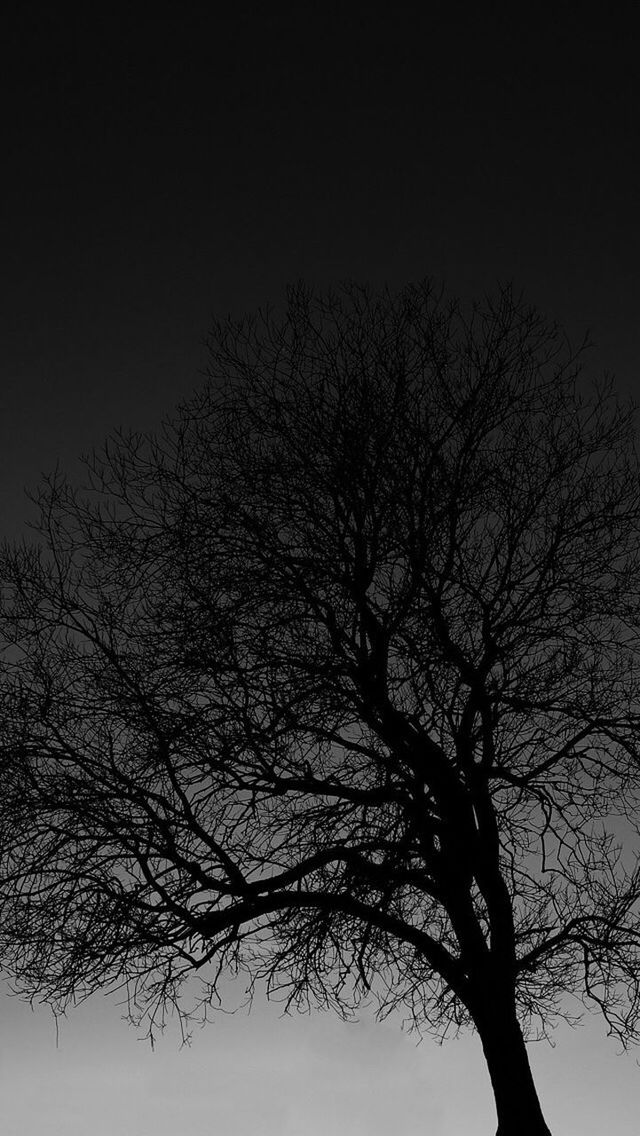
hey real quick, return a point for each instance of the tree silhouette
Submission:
(335, 682)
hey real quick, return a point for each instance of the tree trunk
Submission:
(517, 1104)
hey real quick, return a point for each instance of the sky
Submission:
(167, 165)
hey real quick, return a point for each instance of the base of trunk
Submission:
(517, 1103)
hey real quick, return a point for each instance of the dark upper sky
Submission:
(168, 166)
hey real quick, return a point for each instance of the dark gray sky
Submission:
(165, 167)
(162, 169)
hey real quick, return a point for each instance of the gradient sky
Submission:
(161, 170)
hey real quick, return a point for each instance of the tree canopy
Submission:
(335, 681)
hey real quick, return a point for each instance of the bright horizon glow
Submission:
(293, 1076)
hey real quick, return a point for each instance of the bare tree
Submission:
(335, 681)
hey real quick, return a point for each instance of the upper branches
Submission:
(346, 657)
